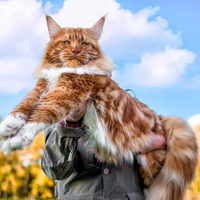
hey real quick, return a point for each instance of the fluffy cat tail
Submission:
(180, 162)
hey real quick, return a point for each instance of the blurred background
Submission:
(21, 177)
(155, 46)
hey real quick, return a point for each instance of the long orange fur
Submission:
(129, 124)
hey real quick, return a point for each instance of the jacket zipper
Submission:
(71, 148)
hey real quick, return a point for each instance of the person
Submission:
(77, 172)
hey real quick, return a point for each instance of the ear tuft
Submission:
(53, 27)
(97, 28)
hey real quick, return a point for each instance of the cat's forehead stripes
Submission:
(77, 34)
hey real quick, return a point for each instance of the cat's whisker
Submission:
(94, 56)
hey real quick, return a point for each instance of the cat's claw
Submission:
(12, 124)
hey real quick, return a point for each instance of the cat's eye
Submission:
(84, 44)
(66, 42)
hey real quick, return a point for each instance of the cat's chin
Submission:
(74, 63)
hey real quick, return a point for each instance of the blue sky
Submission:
(154, 44)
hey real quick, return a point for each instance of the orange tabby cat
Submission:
(118, 126)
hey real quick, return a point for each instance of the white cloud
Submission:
(157, 69)
(194, 120)
(23, 37)
(17, 74)
(127, 36)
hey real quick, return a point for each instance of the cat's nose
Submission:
(75, 51)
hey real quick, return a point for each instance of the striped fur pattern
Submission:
(119, 127)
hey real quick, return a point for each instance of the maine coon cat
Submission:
(119, 127)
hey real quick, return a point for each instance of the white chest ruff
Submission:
(98, 135)
(52, 74)
(97, 130)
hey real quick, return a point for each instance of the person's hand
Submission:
(158, 142)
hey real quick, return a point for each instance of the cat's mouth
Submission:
(76, 59)
(74, 62)
(79, 60)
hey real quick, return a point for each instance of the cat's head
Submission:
(73, 47)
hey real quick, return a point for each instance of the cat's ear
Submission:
(53, 27)
(98, 27)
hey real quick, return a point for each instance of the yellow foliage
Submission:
(197, 129)
(47, 194)
(6, 169)
(21, 174)
(20, 170)
(41, 184)
(195, 186)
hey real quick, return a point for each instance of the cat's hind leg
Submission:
(150, 165)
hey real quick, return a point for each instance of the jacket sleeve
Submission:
(60, 154)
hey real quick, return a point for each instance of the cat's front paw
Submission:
(11, 144)
(11, 124)
(23, 137)
(29, 131)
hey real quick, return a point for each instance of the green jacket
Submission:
(79, 175)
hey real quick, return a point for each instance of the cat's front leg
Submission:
(67, 96)
(24, 137)
(53, 108)
(18, 117)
